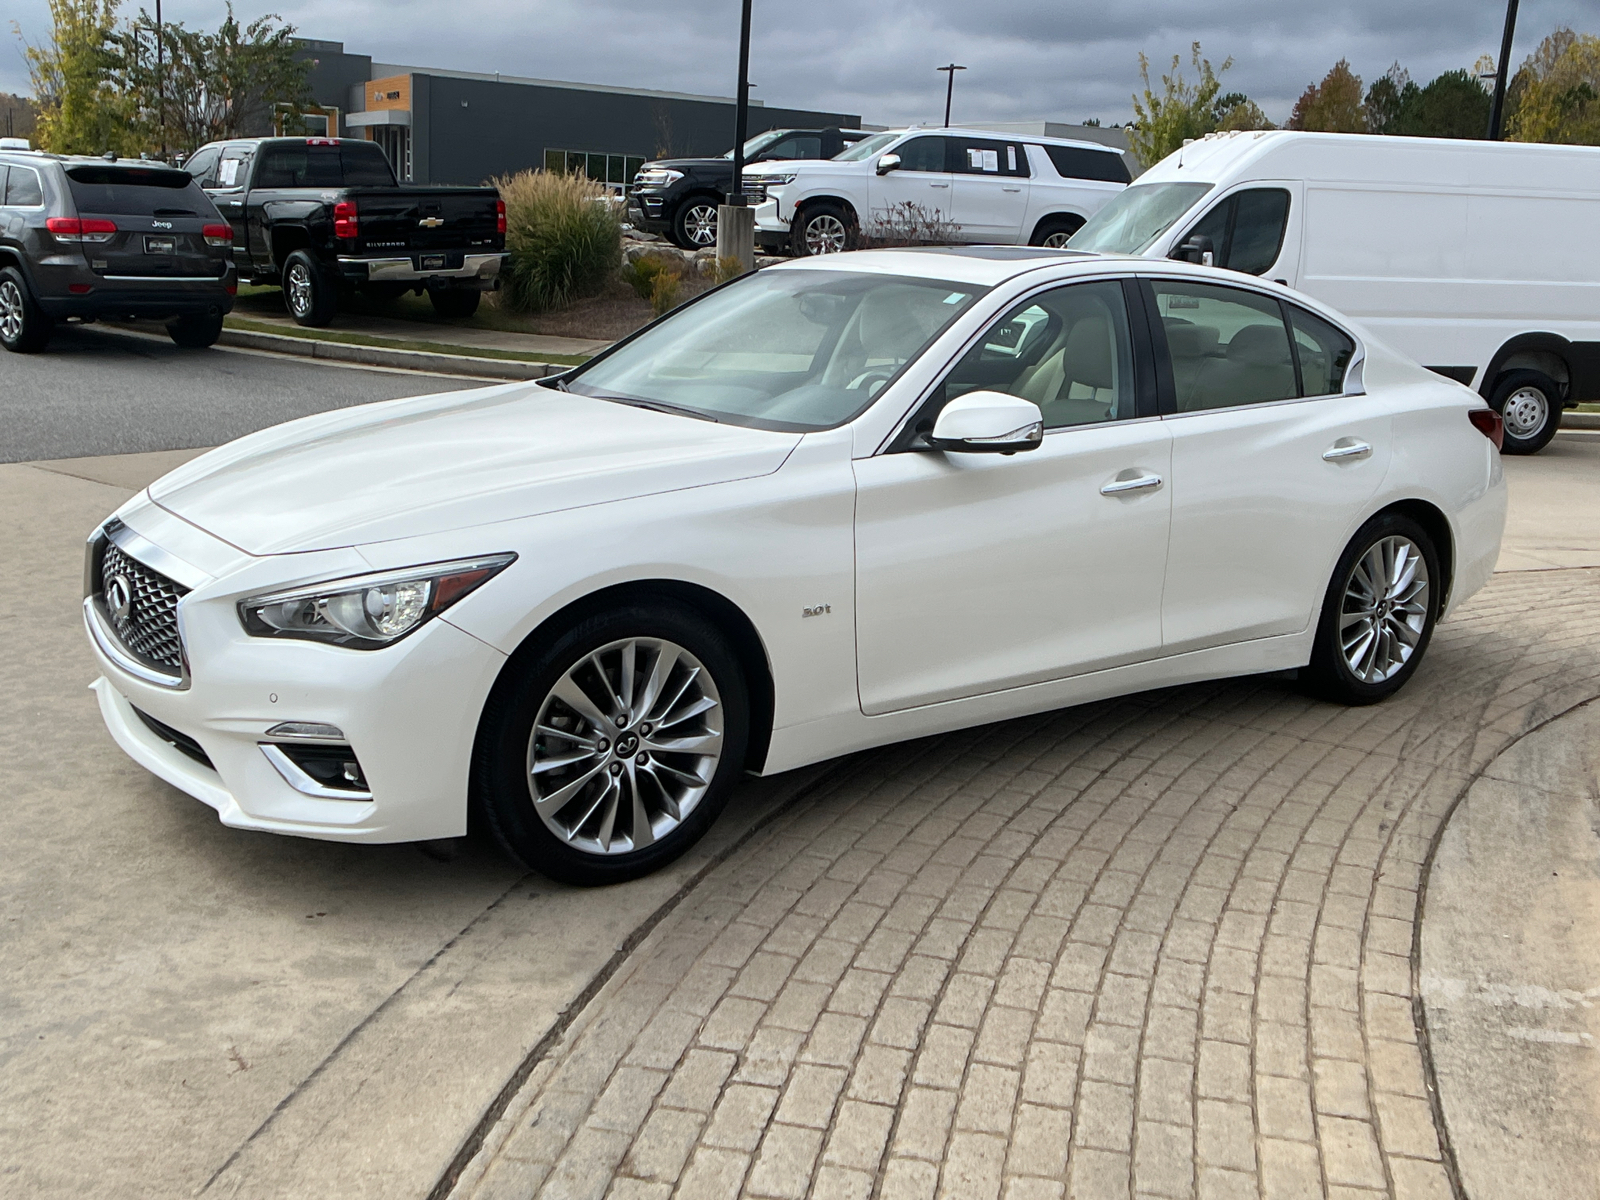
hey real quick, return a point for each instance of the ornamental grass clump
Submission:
(564, 236)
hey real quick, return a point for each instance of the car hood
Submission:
(430, 464)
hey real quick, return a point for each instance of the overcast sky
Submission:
(1054, 59)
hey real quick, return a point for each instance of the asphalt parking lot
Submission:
(1161, 945)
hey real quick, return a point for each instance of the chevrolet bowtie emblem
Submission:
(431, 222)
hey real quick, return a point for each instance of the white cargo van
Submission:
(1481, 260)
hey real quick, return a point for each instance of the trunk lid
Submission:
(159, 213)
(414, 220)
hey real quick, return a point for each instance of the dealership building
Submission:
(458, 127)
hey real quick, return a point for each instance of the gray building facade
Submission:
(460, 127)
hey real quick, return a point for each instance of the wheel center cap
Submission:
(627, 745)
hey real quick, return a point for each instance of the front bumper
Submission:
(484, 269)
(409, 714)
(651, 212)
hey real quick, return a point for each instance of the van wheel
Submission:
(25, 328)
(195, 333)
(455, 302)
(1530, 402)
(1377, 614)
(308, 293)
(1055, 232)
(613, 747)
(822, 229)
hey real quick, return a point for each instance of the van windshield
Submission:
(1137, 216)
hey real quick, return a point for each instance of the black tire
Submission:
(308, 293)
(25, 328)
(694, 225)
(1530, 402)
(502, 780)
(455, 302)
(819, 225)
(195, 333)
(1055, 231)
(1330, 674)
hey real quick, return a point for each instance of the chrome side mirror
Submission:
(887, 163)
(984, 422)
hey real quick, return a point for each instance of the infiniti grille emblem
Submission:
(119, 599)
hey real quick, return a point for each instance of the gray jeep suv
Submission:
(82, 238)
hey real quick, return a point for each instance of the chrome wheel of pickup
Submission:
(298, 289)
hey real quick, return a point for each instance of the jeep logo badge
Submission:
(160, 224)
(119, 599)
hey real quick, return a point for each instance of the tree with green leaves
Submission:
(1454, 105)
(1559, 96)
(1183, 110)
(1237, 111)
(211, 86)
(1332, 106)
(84, 104)
(1386, 98)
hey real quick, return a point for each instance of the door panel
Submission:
(991, 188)
(977, 572)
(921, 181)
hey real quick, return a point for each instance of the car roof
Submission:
(1031, 138)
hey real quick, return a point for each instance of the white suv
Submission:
(934, 185)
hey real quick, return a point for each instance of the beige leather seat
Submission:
(1255, 367)
(1077, 385)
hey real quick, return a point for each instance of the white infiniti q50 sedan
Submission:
(835, 504)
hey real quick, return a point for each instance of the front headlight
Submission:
(368, 611)
(773, 181)
(659, 177)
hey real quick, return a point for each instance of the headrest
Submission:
(1260, 346)
(1190, 341)
(1086, 358)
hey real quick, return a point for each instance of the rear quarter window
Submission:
(1074, 162)
(21, 187)
(136, 191)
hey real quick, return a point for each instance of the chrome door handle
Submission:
(1006, 189)
(1142, 483)
(938, 185)
(1346, 448)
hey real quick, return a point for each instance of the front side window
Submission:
(797, 349)
(1136, 217)
(922, 154)
(1325, 353)
(1245, 230)
(1227, 346)
(22, 188)
(1068, 350)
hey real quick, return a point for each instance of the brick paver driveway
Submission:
(1154, 947)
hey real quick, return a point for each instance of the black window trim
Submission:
(1145, 389)
(1163, 356)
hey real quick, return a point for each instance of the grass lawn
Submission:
(234, 321)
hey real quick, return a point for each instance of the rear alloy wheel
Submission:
(1530, 402)
(195, 333)
(24, 326)
(455, 302)
(307, 291)
(695, 226)
(616, 751)
(821, 229)
(1378, 614)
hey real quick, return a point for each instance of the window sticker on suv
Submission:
(985, 160)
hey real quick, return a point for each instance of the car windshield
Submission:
(759, 143)
(1137, 216)
(867, 147)
(781, 349)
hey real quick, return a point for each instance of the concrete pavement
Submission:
(1159, 945)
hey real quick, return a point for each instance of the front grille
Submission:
(755, 193)
(149, 626)
(180, 742)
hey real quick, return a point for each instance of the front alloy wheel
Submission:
(625, 745)
(825, 234)
(697, 225)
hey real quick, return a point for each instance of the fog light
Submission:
(329, 771)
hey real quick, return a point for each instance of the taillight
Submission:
(75, 229)
(217, 235)
(1489, 423)
(345, 219)
(499, 216)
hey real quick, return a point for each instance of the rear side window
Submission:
(1324, 351)
(137, 192)
(1074, 162)
(1228, 347)
(308, 164)
(22, 188)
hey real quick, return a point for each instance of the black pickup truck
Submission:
(318, 215)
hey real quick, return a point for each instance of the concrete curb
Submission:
(380, 356)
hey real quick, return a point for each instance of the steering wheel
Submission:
(864, 379)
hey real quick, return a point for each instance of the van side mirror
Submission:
(887, 163)
(985, 422)
(1197, 249)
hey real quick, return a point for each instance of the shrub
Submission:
(564, 237)
(643, 272)
(664, 292)
(729, 266)
(908, 224)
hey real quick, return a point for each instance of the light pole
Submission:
(949, 88)
(1497, 111)
(161, 83)
(736, 221)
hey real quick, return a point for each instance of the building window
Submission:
(616, 171)
(315, 121)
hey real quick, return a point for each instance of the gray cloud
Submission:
(1026, 58)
